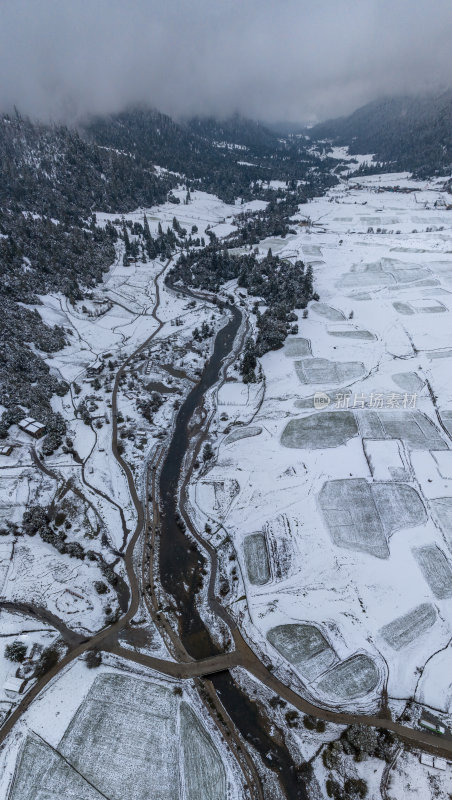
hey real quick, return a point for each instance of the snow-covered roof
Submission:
(31, 425)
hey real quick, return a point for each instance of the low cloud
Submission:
(281, 60)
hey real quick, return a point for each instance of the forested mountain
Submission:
(199, 150)
(52, 168)
(51, 180)
(406, 133)
(236, 130)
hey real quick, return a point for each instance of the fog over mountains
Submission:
(293, 61)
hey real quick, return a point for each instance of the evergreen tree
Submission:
(146, 230)
(126, 238)
(248, 362)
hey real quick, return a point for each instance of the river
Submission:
(181, 566)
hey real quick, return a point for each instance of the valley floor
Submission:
(328, 502)
(333, 477)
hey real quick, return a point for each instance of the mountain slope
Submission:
(52, 168)
(154, 138)
(198, 149)
(408, 133)
(236, 130)
(51, 181)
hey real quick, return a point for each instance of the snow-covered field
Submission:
(89, 490)
(116, 734)
(103, 331)
(340, 507)
(333, 479)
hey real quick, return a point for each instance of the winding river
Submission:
(181, 567)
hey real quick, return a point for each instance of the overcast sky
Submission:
(269, 59)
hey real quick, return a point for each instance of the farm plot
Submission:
(6, 553)
(281, 535)
(42, 774)
(408, 381)
(304, 646)
(420, 307)
(297, 347)
(364, 278)
(31, 767)
(256, 559)
(124, 743)
(437, 291)
(386, 459)
(324, 429)
(398, 505)
(387, 271)
(322, 371)
(442, 508)
(428, 306)
(327, 312)
(308, 402)
(433, 355)
(404, 272)
(352, 518)
(204, 773)
(413, 427)
(312, 250)
(305, 403)
(436, 570)
(380, 221)
(123, 739)
(350, 679)
(409, 627)
(443, 269)
(446, 418)
(242, 433)
(361, 516)
(365, 336)
(403, 308)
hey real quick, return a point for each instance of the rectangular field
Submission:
(322, 371)
(304, 646)
(297, 347)
(436, 570)
(256, 559)
(405, 629)
(352, 518)
(414, 428)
